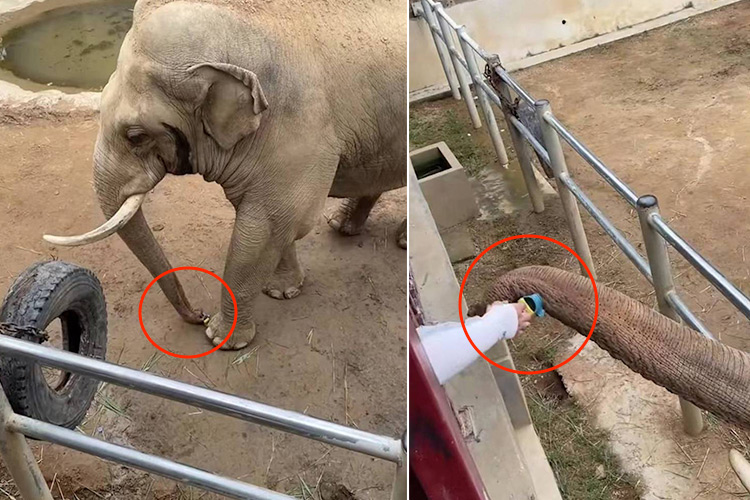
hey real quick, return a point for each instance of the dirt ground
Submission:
(336, 352)
(667, 111)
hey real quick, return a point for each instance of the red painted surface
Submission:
(441, 467)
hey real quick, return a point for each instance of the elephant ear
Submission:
(232, 103)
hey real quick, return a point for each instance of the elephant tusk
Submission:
(741, 467)
(117, 221)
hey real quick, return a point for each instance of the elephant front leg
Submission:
(286, 282)
(254, 253)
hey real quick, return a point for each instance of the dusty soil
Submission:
(336, 352)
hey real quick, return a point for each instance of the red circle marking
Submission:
(186, 268)
(518, 237)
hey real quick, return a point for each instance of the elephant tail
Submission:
(709, 374)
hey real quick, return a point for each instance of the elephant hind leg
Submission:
(352, 214)
(286, 282)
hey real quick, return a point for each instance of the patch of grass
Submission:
(428, 125)
(578, 452)
(580, 456)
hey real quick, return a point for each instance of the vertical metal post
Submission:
(484, 102)
(524, 160)
(569, 203)
(460, 70)
(661, 270)
(399, 481)
(429, 17)
(18, 458)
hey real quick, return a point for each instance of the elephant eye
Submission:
(136, 137)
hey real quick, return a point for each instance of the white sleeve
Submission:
(503, 317)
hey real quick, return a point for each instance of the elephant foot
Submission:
(286, 282)
(216, 331)
(351, 216)
(401, 235)
(284, 286)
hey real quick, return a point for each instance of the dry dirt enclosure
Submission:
(668, 112)
(336, 352)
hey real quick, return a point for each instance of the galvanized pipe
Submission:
(713, 275)
(288, 421)
(530, 139)
(484, 103)
(18, 458)
(687, 315)
(599, 166)
(429, 18)
(504, 76)
(560, 168)
(661, 270)
(524, 160)
(459, 69)
(133, 458)
(617, 237)
(632, 254)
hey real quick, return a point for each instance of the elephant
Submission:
(709, 374)
(283, 103)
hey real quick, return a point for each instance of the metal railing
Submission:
(499, 88)
(26, 473)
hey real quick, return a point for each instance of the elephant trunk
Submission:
(126, 219)
(709, 374)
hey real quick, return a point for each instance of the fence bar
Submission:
(526, 133)
(19, 459)
(524, 160)
(288, 421)
(687, 315)
(658, 258)
(484, 103)
(570, 207)
(619, 239)
(429, 17)
(504, 76)
(708, 271)
(458, 67)
(133, 458)
(595, 162)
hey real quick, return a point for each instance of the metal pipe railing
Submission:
(654, 228)
(133, 458)
(713, 275)
(288, 421)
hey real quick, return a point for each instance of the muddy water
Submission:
(70, 46)
(499, 190)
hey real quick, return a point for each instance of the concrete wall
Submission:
(520, 29)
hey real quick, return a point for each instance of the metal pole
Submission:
(484, 102)
(399, 482)
(18, 458)
(133, 458)
(460, 71)
(524, 160)
(661, 271)
(292, 422)
(560, 169)
(429, 17)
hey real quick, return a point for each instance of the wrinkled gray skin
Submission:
(709, 374)
(280, 119)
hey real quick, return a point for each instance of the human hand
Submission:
(524, 317)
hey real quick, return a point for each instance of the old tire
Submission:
(44, 292)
